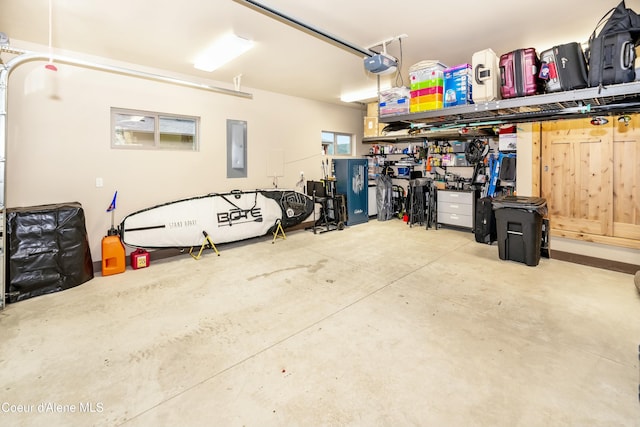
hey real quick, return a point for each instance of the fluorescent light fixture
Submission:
(364, 94)
(223, 50)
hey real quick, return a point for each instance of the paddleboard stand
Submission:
(207, 243)
(278, 232)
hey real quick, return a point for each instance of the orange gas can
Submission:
(113, 254)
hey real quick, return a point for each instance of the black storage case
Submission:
(611, 59)
(485, 221)
(612, 53)
(519, 228)
(564, 68)
(47, 250)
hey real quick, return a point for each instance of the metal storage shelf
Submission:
(393, 139)
(620, 98)
(425, 135)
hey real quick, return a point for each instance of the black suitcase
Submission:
(563, 67)
(611, 59)
(485, 222)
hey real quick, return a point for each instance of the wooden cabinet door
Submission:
(577, 177)
(626, 179)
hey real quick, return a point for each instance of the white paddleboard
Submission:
(225, 218)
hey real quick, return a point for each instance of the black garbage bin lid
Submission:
(520, 202)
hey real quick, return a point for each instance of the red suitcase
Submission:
(519, 73)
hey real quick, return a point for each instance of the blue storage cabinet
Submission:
(352, 181)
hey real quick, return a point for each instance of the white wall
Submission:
(59, 141)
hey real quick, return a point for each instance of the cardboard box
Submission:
(457, 85)
(371, 126)
(508, 142)
(372, 109)
(507, 138)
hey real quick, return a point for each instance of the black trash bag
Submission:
(47, 250)
(383, 198)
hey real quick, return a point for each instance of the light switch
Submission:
(99, 182)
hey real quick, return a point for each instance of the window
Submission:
(156, 131)
(336, 144)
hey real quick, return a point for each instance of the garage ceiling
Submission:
(169, 34)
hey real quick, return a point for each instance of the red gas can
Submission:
(139, 259)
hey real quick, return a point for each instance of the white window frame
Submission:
(156, 142)
(330, 147)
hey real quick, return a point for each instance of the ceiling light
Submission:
(223, 50)
(364, 94)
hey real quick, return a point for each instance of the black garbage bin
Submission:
(519, 227)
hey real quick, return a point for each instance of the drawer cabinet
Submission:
(456, 208)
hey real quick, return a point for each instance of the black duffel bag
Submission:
(611, 53)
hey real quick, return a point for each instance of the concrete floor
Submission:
(376, 325)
